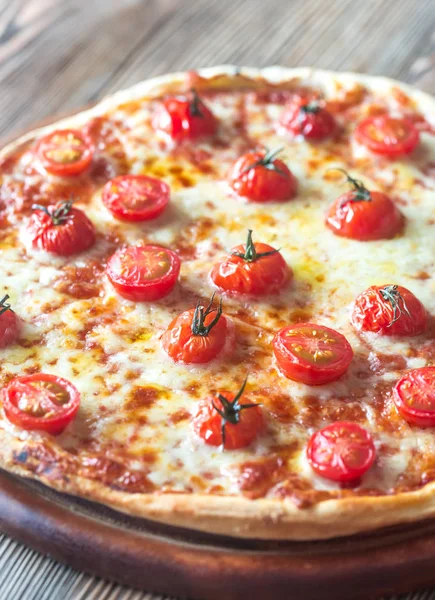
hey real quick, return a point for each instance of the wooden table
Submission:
(58, 55)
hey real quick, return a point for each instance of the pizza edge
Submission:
(225, 77)
(238, 516)
(227, 515)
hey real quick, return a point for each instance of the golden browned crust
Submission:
(239, 516)
(229, 515)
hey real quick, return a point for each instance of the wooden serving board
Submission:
(198, 566)
(185, 564)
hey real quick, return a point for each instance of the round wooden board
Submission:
(183, 563)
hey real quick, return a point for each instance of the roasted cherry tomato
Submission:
(61, 229)
(254, 269)
(185, 118)
(414, 397)
(136, 197)
(341, 451)
(261, 177)
(312, 354)
(363, 215)
(40, 401)
(228, 420)
(387, 135)
(198, 335)
(65, 152)
(389, 310)
(9, 323)
(143, 273)
(308, 118)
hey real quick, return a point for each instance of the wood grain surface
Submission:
(58, 55)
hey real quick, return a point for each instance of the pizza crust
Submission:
(238, 516)
(235, 516)
(224, 77)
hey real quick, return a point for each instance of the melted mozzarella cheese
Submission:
(121, 352)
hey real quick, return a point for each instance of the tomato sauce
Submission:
(257, 477)
(80, 282)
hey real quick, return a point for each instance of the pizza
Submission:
(217, 303)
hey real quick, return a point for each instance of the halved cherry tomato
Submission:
(387, 135)
(40, 401)
(143, 273)
(414, 397)
(364, 215)
(261, 177)
(254, 269)
(389, 310)
(308, 118)
(342, 451)
(198, 335)
(312, 354)
(228, 420)
(61, 229)
(9, 323)
(136, 197)
(65, 152)
(185, 117)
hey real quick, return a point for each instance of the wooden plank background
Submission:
(58, 55)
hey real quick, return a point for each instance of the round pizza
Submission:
(218, 303)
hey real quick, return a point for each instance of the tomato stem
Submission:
(391, 294)
(230, 412)
(59, 213)
(195, 104)
(267, 161)
(312, 107)
(4, 306)
(198, 321)
(250, 254)
(360, 192)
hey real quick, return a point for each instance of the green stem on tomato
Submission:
(267, 161)
(360, 192)
(198, 322)
(391, 294)
(312, 107)
(230, 412)
(59, 214)
(195, 104)
(250, 254)
(4, 306)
